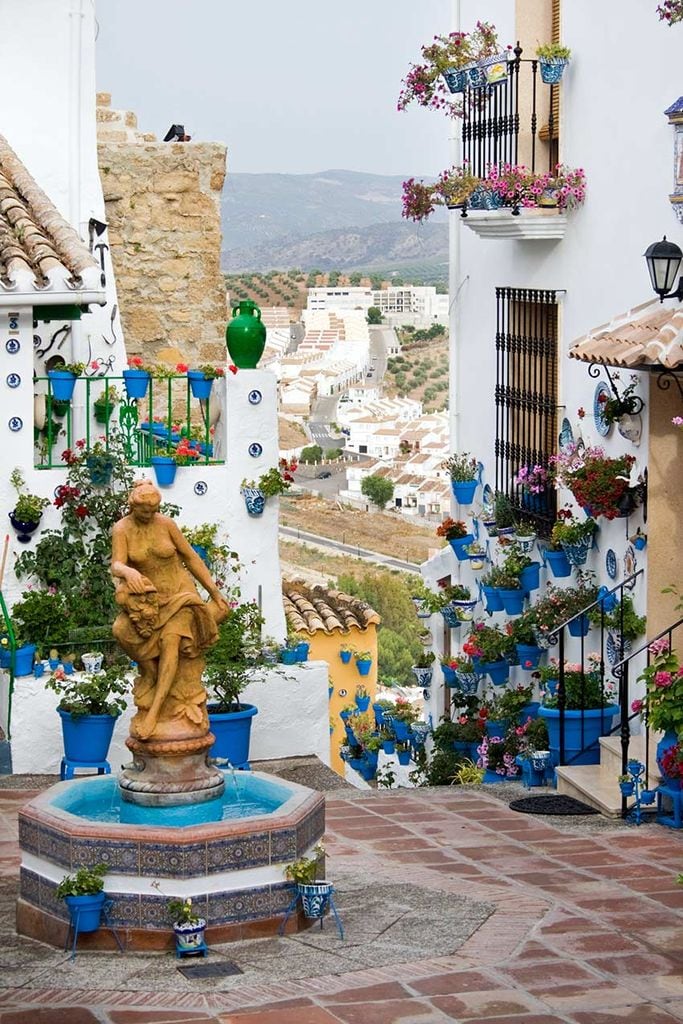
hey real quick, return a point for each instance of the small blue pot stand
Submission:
(74, 921)
(329, 902)
(68, 767)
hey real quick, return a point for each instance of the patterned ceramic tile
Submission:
(120, 857)
(243, 905)
(29, 836)
(163, 859)
(125, 912)
(194, 860)
(48, 900)
(310, 830)
(232, 854)
(283, 846)
(55, 846)
(154, 912)
(29, 884)
(281, 898)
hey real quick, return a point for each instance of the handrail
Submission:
(646, 645)
(12, 663)
(599, 602)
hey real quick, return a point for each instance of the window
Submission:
(526, 394)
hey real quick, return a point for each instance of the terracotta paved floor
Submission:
(587, 927)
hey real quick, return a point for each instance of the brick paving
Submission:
(585, 927)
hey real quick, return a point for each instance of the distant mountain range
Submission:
(343, 220)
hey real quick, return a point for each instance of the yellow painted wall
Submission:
(664, 503)
(326, 647)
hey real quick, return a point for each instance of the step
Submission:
(610, 754)
(588, 783)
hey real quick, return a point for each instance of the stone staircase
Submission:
(596, 784)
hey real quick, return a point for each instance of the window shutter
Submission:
(554, 38)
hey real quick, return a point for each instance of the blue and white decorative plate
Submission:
(255, 397)
(566, 435)
(12, 346)
(13, 380)
(601, 425)
(201, 488)
(255, 449)
(630, 565)
(611, 564)
(15, 423)
(487, 501)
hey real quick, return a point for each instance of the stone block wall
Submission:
(163, 209)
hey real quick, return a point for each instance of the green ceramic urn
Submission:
(246, 335)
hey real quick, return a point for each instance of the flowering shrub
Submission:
(677, 421)
(497, 754)
(452, 529)
(569, 530)
(489, 643)
(560, 604)
(672, 762)
(613, 408)
(584, 687)
(532, 479)
(456, 50)
(596, 481)
(451, 189)
(276, 480)
(670, 11)
(662, 706)
(462, 467)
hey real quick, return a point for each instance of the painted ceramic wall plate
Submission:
(630, 565)
(487, 501)
(611, 564)
(601, 425)
(566, 435)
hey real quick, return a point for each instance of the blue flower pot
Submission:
(86, 737)
(449, 676)
(493, 600)
(362, 703)
(423, 675)
(627, 788)
(537, 503)
(389, 746)
(579, 626)
(529, 710)
(200, 386)
(38, 669)
(164, 467)
(485, 199)
(467, 683)
(345, 657)
(135, 382)
(490, 777)
(597, 722)
(232, 730)
(378, 711)
(315, 898)
(529, 656)
(497, 671)
(63, 383)
(23, 660)
(668, 740)
(202, 552)
(450, 616)
(496, 727)
(455, 79)
(469, 749)
(577, 554)
(463, 492)
(401, 730)
(363, 666)
(459, 545)
(86, 911)
(254, 500)
(288, 655)
(530, 578)
(403, 757)
(559, 565)
(301, 650)
(552, 69)
(513, 601)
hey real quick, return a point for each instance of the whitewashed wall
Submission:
(292, 719)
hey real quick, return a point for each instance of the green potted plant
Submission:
(463, 470)
(228, 664)
(491, 646)
(600, 485)
(504, 515)
(457, 535)
(201, 380)
(89, 706)
(63, 380)
(552, 60)
(662, 704)
(28, 509)
(523, 631)
(452, 189)
(422, 668)
(84, 896)
(477, 556)
(346, 652)
(105, 403)
(307, 873)
(363, 661)
(573, 535)
(613, 408)
(623, 625)
(188, 927)
(590, 706)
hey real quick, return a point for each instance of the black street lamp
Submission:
(663, 260)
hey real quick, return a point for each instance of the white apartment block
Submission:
(419, 305)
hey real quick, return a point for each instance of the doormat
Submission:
(219, 969)
(551, 805)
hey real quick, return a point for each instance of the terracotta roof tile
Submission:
(650, 335)
(313, 608)
(34, 237)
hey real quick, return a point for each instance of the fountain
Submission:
(169, 826)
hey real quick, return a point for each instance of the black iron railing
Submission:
(494, 117)
(526, 396)
(623, 670)
(612, 643)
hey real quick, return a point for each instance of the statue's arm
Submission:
(193, 562)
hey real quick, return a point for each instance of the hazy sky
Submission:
(292, 86)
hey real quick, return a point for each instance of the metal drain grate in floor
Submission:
(218, 969)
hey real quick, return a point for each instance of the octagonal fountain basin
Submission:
(228, 855)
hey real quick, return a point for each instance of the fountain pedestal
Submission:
(167, 773)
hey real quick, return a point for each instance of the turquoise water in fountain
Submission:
(99, 799)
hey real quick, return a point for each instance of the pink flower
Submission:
(637, 706)
(660, 646)
(663, 679)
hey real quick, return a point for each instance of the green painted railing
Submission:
(8, 631)
(147, 426)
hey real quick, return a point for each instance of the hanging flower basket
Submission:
(552, 69)
(254, 500)
(164, 467)
(577, 553)
(136, 382)
(63, 383)
(200, 386)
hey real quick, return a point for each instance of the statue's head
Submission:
(144, 500)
